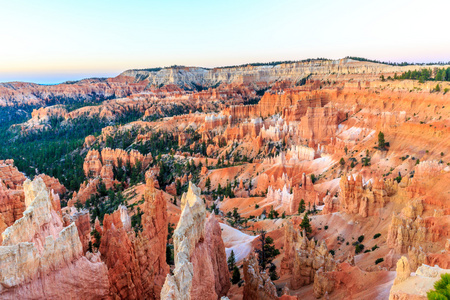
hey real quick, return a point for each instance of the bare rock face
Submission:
(407, 229)
(214, 248)
(39, 258)
(323, 285)
(12, 205)
(151, 244)
(119, 255)
(403, 270)
(12, 199)
(414, 286)
(201, 270)
(303, 258)
(10, 175)
(92, 165)
(305, 192)
(364, 200)
(416, 257)
(257, 285)
(82, 221)
(319, 123)
(53, 184)
(101, 163)
(137, 263)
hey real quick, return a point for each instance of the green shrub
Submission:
(379, 260)
(359, 248)
(361, 238)
(442, 289)
(376, 235)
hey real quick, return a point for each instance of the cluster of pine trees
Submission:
(423, 75)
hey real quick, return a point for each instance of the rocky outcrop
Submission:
(53, 183)
(39, 258)
(319, 123)
(12, 200)
(137, 263)
(365, 200)
(151, 243)
(10, 175)
(403, 270)
(416, 257)
(12, 205)
(82, 221)
(257, 284)
(303, 257)
(306, 192)
(102, 164)
(407, 229)
(201, 270)
(414, 285)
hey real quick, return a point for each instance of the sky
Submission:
(51, 41)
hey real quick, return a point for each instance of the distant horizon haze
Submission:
(52, 78)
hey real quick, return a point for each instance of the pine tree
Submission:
(273, 272)
(301, 207)
(231, 261)
(236, 277)
(381, 142)
(208, 184)
(437, 88)
(178, 187)
(442, 288)
(267, 251)
(305, 224)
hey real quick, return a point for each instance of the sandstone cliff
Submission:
(137, 262)
(201, 270)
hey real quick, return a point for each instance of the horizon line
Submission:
(268, 63)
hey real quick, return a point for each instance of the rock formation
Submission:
(414, 286)
(303, 257)
(39, 258)
(257, 284)
(95, 162)
(201, 270)
(365, 200)
(407, 229)
(136, 263)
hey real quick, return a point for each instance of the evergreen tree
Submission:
(208, 184)
(231, 261)
(169, 255)
(442, 289)
(90, 247)
(178, 187)
(437, 88)
(236, 277)
(381, 142)
(267, 251)
(236, 215)
(301, 207)
(273, 272)
(305, 224)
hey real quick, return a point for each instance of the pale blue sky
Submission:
(51, 41)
